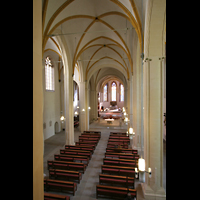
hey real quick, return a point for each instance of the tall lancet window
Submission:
(121, 92)
(114, 91)
(49, 75)
(105, 92)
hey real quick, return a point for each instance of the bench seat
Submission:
(122, 155)
(80, 147)
(118, 170)
(51, 184)
(118, 133)
(49, 196)
(64, 174)
(76, 152)
(122, 150)
(125, 146)
(123, 181)
(74, 157)
(114, 192)
(120, 162)
(57, 164)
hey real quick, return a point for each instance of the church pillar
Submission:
(130, 107)
(130, 102)
(69, 109)
(68, 90)
(96, 105)
(93, 104)
(125, 97)
(38, 182)
(153, 143)
(152, 96)
(87, 103)
(82, 114)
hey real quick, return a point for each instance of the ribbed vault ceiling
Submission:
(97, 33)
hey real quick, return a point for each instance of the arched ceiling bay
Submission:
(106, 74)
(97, 32)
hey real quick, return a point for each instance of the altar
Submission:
(113, 112)
(109, 121)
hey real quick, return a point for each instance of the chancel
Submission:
(99, 99)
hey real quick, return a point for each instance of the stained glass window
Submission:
(114, 87)
(105, 92)
(121, 92)
(49, 75)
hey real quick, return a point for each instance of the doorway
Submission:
(56, 127)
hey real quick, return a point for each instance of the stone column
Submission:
(153, 145)
(38, 181)
(130, 107)
(69, 112)
(93, 104)
(152, 96)
(82, 114)
(87, 103)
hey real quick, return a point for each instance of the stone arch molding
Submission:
(105, 66)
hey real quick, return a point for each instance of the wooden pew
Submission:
(65, 157)
(89, 143)
(121, 143)
(118, 133)
(120, 162)
(119, 137)
(124, 146)
(122, 155)
(119, 140)
(83, 138)
(96, 135)
(118, 170)
(114, 192)
(49, 196)
(65, 174)
(81, 147)
(57, 164)
(121, 150)
(92, 132)
(76, 152)
(63, 186)
(122, 181)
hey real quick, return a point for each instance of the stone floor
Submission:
(86, 190)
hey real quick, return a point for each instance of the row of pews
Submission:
(117, 178)
(66, 170)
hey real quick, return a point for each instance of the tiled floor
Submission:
(86, 190)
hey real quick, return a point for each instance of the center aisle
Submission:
(87, 187)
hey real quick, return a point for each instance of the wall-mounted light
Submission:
(89, 108)
(76, 113)
(141, 170)
(77, 107)
(83, 110)
(126, 119)
(131, 131)
(62, 119)
(141, 164)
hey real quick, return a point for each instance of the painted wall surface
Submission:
(52, 105)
